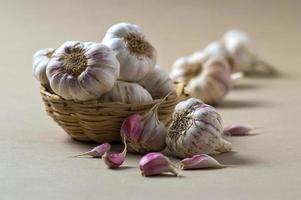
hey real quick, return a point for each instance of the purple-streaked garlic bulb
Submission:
(144, 133)
(136, 55)
(213, 83)
(82, 70)
(157, 83)
(39, 64)
(126, 92)
(191, 66)
(196, 128)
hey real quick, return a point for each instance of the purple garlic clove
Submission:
(156, 163)
(237, 130)
(200, 161)
(97, 152)
(115, 160)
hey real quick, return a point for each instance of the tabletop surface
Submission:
(34, 161)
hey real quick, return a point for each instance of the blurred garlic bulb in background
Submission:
(196, 128)
(137, 57)
(242, 50)
(157, 83)
(125, 92)
(40, 60)
(188, 67)
(82, 70)
(213, 83)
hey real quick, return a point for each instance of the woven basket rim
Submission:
(180, 90)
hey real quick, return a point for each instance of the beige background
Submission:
(34, 150)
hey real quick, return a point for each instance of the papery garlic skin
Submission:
(241, 48)
(137, 57)
(157, 83)
(200, 161)
(125, 92)
(156, 163)
(196, 128)
(191, 66)
(82, 70)
(39, 63)
(144, 133)
(213, 83)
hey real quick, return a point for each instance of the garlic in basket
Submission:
(242, 50)
(39, 61)
(157, 83)
(82, 70)
(126, 92)
(196, 128)
(144, 133)
(137, 57)
(213, 83)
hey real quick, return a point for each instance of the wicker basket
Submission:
(101, 122)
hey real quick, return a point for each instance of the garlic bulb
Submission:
(213, 83)
(241, 48)
(188, 67)
(82, 70)
(40, 60)
(125, 92)
(157, 83)
(196, 128)
(144, 133)
(137, 57)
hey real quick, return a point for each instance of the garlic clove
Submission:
(200, 161)
(97, 152)
(136, 55)
(237, 130)
(156, 163)
(132, 128)
(115, 160)
(39, 64)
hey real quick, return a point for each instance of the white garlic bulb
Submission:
(213, 83)
(82, 70)
(39, 63)
(125, 92)
(157, 83)
(188, 67)
(196, 128)
(137, 57)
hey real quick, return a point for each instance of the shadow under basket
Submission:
(101, 122)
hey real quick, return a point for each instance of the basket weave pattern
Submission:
(101, 122)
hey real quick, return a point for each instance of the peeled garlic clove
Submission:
(237, 130)
(115, 160)
(144, 133)
(157, 83)
(82, 70)
(125, 92)
(196, 130)
(137, 57)
(39, 63)
(213, 83)
(155, 164)
(200, 161)
(97, 152)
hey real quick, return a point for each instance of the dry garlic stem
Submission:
(125, 92)
(39, 63)
(82, 70)
(241, 49)
(196, 128)
(137, 57)
(157, 83)
(213, 83)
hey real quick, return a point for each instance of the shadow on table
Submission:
(237, 104)
(232, 159)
